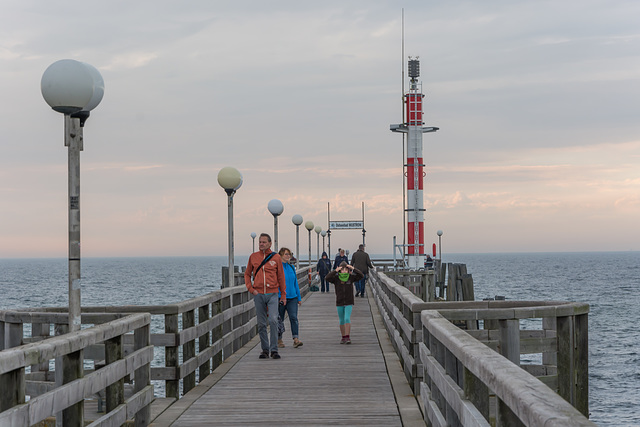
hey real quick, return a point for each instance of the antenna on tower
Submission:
(404, 142)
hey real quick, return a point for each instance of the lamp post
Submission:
(73, 88)
(439, 233)
(309, 226)
(253, 238)
(297, 220)
(323, 233)
(230, 179)
(318, 229)
(276, 208)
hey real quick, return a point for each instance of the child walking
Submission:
(343, 279)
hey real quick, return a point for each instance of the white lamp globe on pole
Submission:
(253, 237)
(318, 229)
(297, 220)
(439, 233)
(309, 226)
(276, 208)
(230, 179)
(73, 88)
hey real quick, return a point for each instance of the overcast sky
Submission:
(537, 103)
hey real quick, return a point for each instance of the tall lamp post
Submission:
(297, 220)
(439, 233)
(323, 233)
(253, 238)
(318, 229)
(230, 179)
(73, 88)
(276, 208)
(309, 226)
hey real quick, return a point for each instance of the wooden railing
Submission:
(463, 358)
(196, 335)
(72, 386)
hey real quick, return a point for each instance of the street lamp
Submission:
(230, 179)
(309, 226)
(276, 208)
(253, 237)
(73, 88)
(323, 233)
(439, 233)
(297, 220)
(318, 229)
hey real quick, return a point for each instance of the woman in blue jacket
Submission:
(293, 297)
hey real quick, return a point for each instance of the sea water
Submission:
(608, 282)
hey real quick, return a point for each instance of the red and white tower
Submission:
(414, 168)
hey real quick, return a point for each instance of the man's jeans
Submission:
(267, 304)
(360, 285)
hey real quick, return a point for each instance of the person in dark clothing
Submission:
(343, 278)
(339, 258)
(324, 267)
(360, 260)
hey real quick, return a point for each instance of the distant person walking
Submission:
(339, 258)
(360, 260)
(343, 278)
(263, 278)
(324, 267)
(293, 297)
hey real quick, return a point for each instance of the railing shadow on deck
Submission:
(199, 334)
(462, 359)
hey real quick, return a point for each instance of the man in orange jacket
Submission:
(265, 268)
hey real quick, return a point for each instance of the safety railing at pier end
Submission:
(462, 359)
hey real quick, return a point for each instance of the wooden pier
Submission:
(411, 363)
(321, 383)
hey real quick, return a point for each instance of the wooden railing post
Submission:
(73, 369)
(549, 358)
(59, 329)
(142, 376)
(477, 393)
(2, 335)
(113, 351)
(509, 348)
(203, 343)
(216, 334)
(188, 350)
(510, 339)
(573, 358)
(40, 331)
(171, 356)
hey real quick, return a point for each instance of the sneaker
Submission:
(297, 343)
(344, 340)
(264, 354)
(280, 343)
(275, 355)
(347, 340)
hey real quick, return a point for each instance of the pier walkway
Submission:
(462, 359)
(320, 383)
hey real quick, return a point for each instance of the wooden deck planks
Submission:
(321, 383)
